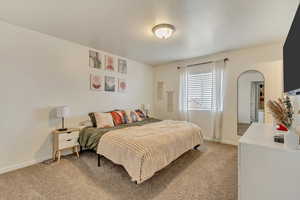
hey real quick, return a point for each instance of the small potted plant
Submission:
(283, 113)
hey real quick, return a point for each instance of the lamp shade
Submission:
(62, 111)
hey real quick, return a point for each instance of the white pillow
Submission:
(104, 120)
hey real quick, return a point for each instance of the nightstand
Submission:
(63, 140)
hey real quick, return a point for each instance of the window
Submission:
(200, 88)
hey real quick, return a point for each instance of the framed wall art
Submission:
(96, 82)
(95, 59)
(110, 84)
(109, 63)
(122, 66)
(122, 85)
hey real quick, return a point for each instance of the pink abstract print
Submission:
(122, 85)
(109, 63)
(96, 82)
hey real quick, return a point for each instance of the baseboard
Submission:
(222, 141)
(230, 142)
(210, 139)
(22, 165)
(30, 162)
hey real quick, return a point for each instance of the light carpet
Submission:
(210, 175)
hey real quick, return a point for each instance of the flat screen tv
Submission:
(291, 57)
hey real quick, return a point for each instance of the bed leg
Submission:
(196, 147)
(99, 158)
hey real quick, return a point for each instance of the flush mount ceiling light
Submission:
(163, 31)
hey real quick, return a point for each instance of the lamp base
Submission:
(62, 129)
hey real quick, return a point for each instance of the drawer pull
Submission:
(68, 140)
(69, 132)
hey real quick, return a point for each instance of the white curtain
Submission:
(183, 106)
(218, 99)
(214, 116)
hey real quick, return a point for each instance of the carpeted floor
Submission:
(242, 128)
(210, 175)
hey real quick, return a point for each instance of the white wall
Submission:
(40, 72)
(244, 94)
(266, 59)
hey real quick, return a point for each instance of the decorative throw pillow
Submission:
(134, 116)
(123, 115)
(131, 116)
(128, 116)
(139, 118)
(104, 120)
(146, 113)
(141, 114)
(93, 119)
(117, 117)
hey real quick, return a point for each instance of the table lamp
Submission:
(62, 112)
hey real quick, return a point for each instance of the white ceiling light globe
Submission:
(163, 31)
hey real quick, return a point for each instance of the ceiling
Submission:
(123, 27)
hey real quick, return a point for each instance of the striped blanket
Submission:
(144, 150)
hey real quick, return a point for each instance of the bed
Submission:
(142, 148)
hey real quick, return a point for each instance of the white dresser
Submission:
(267, 170)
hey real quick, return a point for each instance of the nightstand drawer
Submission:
(68, 142)
(67, 136)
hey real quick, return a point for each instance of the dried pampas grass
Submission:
(282, 111)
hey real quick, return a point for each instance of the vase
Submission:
(291, 139)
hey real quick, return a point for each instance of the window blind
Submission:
(200, 88)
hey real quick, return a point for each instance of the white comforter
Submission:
(143, 150)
